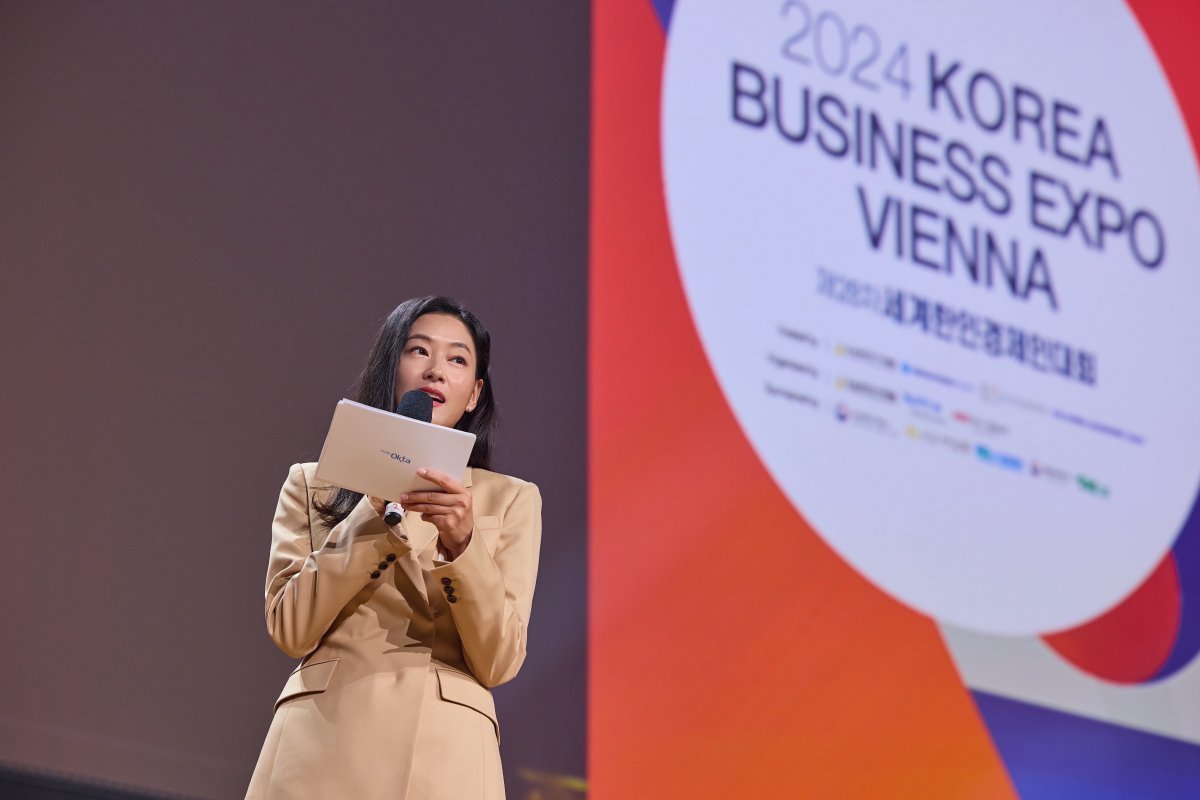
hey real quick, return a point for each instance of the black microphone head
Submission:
(416, 405)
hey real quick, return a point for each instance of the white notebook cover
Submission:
(378, 453)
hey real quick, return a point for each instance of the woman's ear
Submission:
(474, 401)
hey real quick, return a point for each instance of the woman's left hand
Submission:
(449, 510)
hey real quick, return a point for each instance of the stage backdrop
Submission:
(206, 210)
(894, 454)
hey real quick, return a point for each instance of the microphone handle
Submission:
(393, 514)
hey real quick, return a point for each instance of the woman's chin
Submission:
(444, 419)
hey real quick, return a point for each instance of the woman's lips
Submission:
(438, 397)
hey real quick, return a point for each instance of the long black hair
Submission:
(377, 386)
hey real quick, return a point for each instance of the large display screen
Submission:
(894, 460)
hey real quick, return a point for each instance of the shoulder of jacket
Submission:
(497, 481)
(306, 471)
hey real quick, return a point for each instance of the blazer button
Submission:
(374, 575)
(449, 589)
(391, 557)
(451, 599)
(383, 564)
(446, 581)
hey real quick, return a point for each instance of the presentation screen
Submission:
(894, 456)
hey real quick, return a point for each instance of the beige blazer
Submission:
(398, 648)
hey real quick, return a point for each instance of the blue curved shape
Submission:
(663, 9)
(1186, 552)
(1053, 755)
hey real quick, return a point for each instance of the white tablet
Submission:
(378, 453)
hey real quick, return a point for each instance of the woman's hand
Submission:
(449, 510)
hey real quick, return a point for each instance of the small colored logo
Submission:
(1092, 486)
(1003, 460)
(1047, 472)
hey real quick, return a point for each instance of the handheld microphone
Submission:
(417, 405)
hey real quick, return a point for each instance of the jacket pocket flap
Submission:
(307, 679)
(458, 688)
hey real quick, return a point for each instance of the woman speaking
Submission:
(402, 629)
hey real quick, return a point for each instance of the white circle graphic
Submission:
(942, 265)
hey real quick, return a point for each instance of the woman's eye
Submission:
(418, 350)
(460, 360)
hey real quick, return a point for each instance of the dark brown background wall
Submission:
(205, 211)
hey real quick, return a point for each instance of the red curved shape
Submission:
(1131, 642)
(1170, 26)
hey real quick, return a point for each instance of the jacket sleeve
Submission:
(494, 593)
(306, 590)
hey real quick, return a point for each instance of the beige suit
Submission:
(398, 647)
